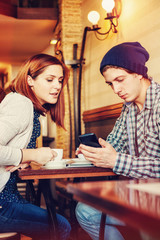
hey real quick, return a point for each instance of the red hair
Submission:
(33, 67)
(2, 94)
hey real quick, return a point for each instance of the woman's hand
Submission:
(14, 168)
(39, 155)
(100, 157)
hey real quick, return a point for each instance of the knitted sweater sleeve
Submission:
(15, 116)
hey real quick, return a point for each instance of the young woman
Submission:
(36, 90)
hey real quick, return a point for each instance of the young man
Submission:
(132, 148)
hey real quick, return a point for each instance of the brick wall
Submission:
(70, 29)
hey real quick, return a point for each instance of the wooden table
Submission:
(138, 208)
(69, 172)
(44, 176)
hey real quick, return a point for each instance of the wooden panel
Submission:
(8, 9)
(37, 13)
(112, 111)
(101, 128)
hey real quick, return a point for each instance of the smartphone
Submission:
(89, 139)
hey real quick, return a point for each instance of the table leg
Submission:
(102, 226)
(44, 185)
(30, 192)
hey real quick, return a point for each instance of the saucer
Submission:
(55, 164)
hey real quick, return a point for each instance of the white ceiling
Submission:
(21, 38)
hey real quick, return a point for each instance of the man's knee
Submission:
(80, 210)
(85, 213)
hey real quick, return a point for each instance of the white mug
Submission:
(59, 152)
(57, 162)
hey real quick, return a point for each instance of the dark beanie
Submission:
(128, 55)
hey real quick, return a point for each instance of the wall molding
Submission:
(102, 113)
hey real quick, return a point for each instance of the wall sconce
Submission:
(53, 41)
(113, 11)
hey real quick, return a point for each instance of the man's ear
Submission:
(139, 76)
(30, 81)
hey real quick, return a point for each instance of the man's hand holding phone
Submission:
(89, 139)
(102, 156)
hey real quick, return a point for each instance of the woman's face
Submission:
(47, 85)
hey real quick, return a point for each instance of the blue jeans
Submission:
(30, 220)
(89, 219)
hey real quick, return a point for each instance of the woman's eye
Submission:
(54, 80)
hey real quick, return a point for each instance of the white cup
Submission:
(59, 154)
(57, 162)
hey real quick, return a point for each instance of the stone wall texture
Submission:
(70, 30)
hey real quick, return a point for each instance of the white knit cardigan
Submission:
(16, 125)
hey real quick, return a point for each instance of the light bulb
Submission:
(93, 17)
(108, 5)
(53, 41)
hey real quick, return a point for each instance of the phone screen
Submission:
(89, 139)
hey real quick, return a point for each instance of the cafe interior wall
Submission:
(139, 21)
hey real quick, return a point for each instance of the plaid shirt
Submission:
(122, 137)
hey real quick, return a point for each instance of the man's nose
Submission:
(116, 88)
